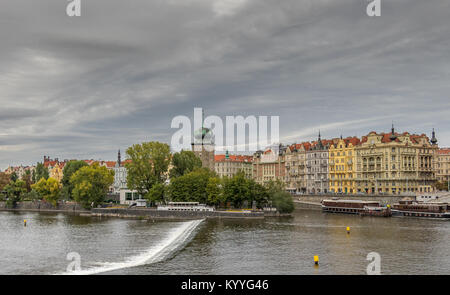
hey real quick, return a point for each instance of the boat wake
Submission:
(176, 238)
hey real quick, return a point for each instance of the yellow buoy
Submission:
(316, 260)
(348, 229)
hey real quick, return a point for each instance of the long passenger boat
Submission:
(359, 207)
(411, 208)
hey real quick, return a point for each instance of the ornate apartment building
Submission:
(395, 163)
(295, 163)
(317, 167)
(228, 165)
(269, 165)
(442, 164)
(342, 165)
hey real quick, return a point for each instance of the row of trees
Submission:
(87, 185)
(148, 172)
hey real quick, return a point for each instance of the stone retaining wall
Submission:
(159, 214)
(43, 206)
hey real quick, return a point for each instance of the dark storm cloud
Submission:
(84, 87)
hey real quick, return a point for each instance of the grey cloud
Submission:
(84, 87)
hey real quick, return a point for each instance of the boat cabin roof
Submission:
(352, 201)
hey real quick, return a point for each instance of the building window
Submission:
(128, 196)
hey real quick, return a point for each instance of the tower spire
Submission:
(393, 136)
(119, 162)
(433, 138)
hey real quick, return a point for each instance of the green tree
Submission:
(238, 189)
(156, 193)
(274, 186)
(4, 180)
(49, 189)
(14, 191)
(183, 163)
(33, 176)
(90, 184)
(69, 169)
(13, 177)
(260, 194)
(214, 193)
(148, 165)
(27, 178)
(282, 200)
(190, 187)
(41, 172)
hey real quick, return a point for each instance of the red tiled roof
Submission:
(110, 164)
(353, 140)
(443, 151)
(233, 158)
(50, 163)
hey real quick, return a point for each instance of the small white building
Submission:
(129, 197)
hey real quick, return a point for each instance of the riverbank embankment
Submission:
(146, 213)
(37, 206)
(136, 213)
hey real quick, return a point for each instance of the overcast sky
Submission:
(83, 87)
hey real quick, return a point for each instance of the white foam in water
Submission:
(175, 238)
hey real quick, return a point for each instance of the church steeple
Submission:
(433, 138)
(119, 162)
(319, 141)
(393, 136)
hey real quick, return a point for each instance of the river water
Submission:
(271, 246)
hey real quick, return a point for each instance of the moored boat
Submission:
(360, 207)
(411, 208)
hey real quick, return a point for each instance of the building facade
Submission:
(395, 163)
(269, 165)
(120, 175)
(442, 165)
(317, 167)
(295, 163)
(342, 165)
(228, 165)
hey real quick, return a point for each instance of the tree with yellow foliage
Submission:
(49, 189)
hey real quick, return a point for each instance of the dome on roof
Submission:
(204, 135)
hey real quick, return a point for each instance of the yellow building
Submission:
(342, 165)
(442, 165)
(57, 171)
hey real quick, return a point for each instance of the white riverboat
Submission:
(185, 206)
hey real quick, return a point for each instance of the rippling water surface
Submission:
(271, 246)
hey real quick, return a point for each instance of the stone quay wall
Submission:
(160, 214)
(43, 207)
